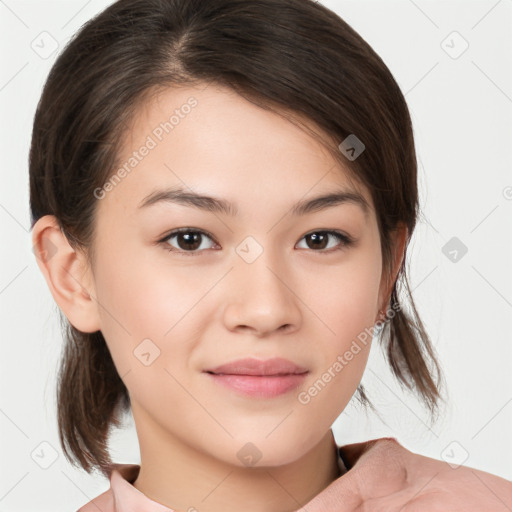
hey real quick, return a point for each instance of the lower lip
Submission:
(260, 386)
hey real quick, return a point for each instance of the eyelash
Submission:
(346, 241)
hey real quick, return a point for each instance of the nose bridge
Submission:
(263, 298)
(262, 266)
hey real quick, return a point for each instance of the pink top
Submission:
(124, 497)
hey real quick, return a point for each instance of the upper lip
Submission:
(251, 366)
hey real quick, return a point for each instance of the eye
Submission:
(318, 239)
(190, 240)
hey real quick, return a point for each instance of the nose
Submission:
(262, 296)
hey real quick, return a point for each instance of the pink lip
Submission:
(256, 378)
(251, 366)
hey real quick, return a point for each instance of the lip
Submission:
(256, 378)
(252, 366)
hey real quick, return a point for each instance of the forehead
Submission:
(210, 138)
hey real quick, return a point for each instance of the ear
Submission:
(398, 237)
(67, 274)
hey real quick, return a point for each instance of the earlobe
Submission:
(66, 273)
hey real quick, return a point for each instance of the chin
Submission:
(262, 452)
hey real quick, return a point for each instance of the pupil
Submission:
(321, 237)
(189, 239)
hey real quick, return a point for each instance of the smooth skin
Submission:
(192, 312)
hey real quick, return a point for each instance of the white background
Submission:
(462, 115)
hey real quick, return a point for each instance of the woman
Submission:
(223, 193)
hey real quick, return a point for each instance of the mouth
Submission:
(251, 366)
(256, 378)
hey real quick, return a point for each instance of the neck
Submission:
(182, 478)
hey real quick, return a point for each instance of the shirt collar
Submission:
(127, 498)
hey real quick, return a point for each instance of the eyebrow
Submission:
(180, 196)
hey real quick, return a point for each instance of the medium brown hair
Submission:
(288, 56)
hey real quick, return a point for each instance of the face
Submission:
(256, 280)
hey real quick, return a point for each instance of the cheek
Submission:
(346, 302)
(146, 299)
(136, 304)
(152, 321)
(345, 297)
